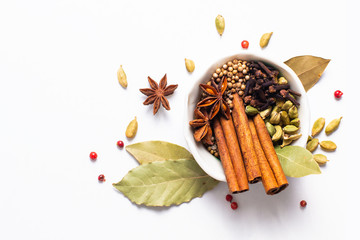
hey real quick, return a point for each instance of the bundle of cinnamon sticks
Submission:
(247, 152)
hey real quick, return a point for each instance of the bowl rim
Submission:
(188, 131)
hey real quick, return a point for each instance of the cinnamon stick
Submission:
(241, 124)
(225, 157)
(267, 176)
(270, 153)
(235, 153)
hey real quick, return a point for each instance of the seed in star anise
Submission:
(156, 94)
(214, 99)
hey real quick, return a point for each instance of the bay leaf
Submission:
(165, 183)
(308, 68)
(150, 151)
(297, 161)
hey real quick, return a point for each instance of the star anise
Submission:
(215, 100)
(201, 123)
(156, 94)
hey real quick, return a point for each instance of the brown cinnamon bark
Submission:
(267, 176)
(235, 153)
(225, 157)
(270, 153)
(241, 124)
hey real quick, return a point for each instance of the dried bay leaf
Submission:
(308, 68)
(150, 151)
(165, 183)
(297, 161)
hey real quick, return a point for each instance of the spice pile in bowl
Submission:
(245, 109)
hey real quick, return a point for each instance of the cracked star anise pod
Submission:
(202, 126)
(157, 93)
(214, 99)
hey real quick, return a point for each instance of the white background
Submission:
(60, 100)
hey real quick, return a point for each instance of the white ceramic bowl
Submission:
(211, 165)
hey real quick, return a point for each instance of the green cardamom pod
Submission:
(122, 77)
(275, 119)
(312, 144)
(220, 24)
(332, 126)
(284, 118)
(318, 126)
(293, 112)
(309, 139)
(132, 128)
(190, 65)
(292, 96)
(328, 145)
(320, 159)
(295, 122)
(265, 38)
(278, 133)
(290, 129)
(274, 111)
(286, 142)
(282, 80)
(287, 105)
(251, 111)
(292, 137)
(265, 113)
(270, 128)
(279, 102)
